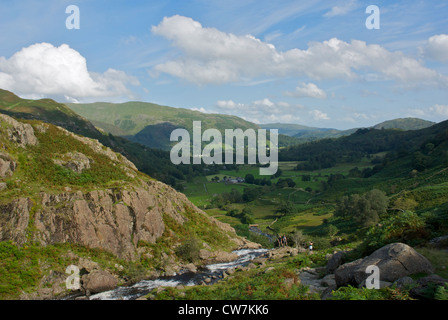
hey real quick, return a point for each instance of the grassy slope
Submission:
(22, 268)
(150, 161)
(132, 117)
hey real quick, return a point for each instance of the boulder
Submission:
(394, 261)
(99, 281)
(223, 256)
(191, 267)
(335, 260)
(424, 288)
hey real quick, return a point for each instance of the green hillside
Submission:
(142, 122)
(302, 134)
(153, 162)
(404, 124)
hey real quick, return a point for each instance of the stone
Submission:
(191, 267)
(328, 281)
(223, 256)
(288, 283)
(99, 281)
(335, 260)
(394, 261)
(404, 282)
(424, 286)
(7, 165)
(75, 161)
(20, 133)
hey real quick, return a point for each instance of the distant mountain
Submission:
(308, 134)
(404, 124)
(151, 124)
(368, 142)
(292, 129)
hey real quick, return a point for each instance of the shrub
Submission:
(189, 250)
(406, 227)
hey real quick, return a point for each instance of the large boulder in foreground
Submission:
(394, 261)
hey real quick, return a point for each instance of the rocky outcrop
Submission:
(75, 161)
(7, 165)
(114, 220)
(394, 261)
(20, 133)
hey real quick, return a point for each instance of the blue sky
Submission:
(309, 62)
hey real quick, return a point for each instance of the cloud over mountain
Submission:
(210, 56)
(45, 70)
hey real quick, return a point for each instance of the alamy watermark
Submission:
(73, 280)
(373, 280)
(73, 21)
(373, 21)
(212, 153)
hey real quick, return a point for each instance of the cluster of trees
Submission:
(326, 153)
(245, 215)
(364, 209)
(249, 178)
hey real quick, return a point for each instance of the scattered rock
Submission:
(75, 161)
(223, 256)
(282, 252)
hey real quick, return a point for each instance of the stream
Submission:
(212, 271)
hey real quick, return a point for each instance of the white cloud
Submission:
(437, 48)
(440, 110)
(260, 111)
(45, 70)
(319, 115)
(229, 105)
(210, 56)
(307, 90)
(437, 112)
(344, 8)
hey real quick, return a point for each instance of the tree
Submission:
(249, 178)
(364, 209)
(331, 230)
(298, 239)
(286, 207)
(306, 177)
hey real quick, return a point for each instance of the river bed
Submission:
(212, 271)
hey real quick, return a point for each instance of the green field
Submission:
(309, 212)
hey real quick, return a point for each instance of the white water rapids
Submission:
(187, 279)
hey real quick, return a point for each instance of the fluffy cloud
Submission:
(260, 111)
(440, 110)
(45, 70)
(319, 115)
(210, 56)
(307, 90)
(437, 48)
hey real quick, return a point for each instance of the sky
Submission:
(322, 63)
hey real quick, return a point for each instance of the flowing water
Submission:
(213, 271)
